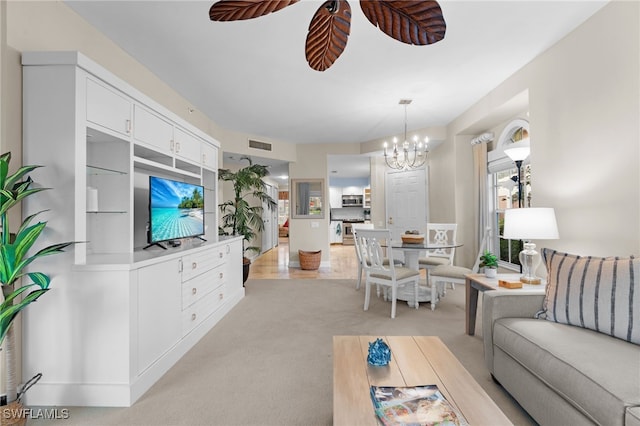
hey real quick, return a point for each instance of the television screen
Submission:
(176, 210)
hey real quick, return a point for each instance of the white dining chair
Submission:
(359, 255)
(442, 275)
(380, 271)
(438, 234)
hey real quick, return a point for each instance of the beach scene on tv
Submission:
(177, 209)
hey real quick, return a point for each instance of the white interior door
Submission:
(406, 201)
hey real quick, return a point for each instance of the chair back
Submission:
(370, 242)
(442, 234)
(354, 230)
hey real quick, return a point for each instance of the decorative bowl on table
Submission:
(412, 238)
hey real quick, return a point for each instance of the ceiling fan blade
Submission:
(328, 33)
(236, 10)
(411, 22)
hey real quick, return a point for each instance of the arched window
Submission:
(504, 190)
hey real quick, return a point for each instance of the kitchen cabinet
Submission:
(335, 232)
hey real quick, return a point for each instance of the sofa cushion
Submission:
(633, 416)
(596, 373)
(598, 293)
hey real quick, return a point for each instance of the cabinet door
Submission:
(152, 130)
(159, 311)
(209, 156)
(187, 146)
(108, 108)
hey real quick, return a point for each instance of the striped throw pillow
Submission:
(598, 293)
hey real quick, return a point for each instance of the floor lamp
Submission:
(518, 152)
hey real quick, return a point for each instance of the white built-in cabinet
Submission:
(118, 316)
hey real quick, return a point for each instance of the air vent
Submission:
(259, 145)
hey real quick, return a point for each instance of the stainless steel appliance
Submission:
(352, 201)
(347, 232)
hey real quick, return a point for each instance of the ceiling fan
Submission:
(411, 22)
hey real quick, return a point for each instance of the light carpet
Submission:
(269, 361)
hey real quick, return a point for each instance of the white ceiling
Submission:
(251, 76)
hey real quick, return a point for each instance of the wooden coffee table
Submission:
(415, 361)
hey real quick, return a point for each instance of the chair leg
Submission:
(415, 292)
(394, 293)
(367, 294)
(359, 277)
(434, 295)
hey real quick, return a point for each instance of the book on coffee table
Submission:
(414, 405)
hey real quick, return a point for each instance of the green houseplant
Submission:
(239, 217)
(19, 287)
(489, 262)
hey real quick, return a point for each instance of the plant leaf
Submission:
(411, 22)
(237, 10)
(328, 34)
(8, 312)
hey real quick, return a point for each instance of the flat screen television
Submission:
(176, 210)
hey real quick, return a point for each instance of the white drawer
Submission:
(199, 263)
(198, 287)
(199, 311)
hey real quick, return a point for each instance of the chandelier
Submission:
(407, 156)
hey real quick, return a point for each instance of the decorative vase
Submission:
(490, 272)
(246, 264)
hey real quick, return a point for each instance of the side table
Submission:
(478, 282)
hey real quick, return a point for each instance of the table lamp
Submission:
(533, 223)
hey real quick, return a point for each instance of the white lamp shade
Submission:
(518, 151)
(534, 223)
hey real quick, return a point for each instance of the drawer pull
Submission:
(193, 317)
(194, 290)
(194, 265)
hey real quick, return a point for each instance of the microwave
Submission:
(352, 201)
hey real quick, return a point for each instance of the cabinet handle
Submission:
(194, 265)
(220, 255)
(193, 317)
(194, 290)
(228, 248)
(171, 145)
(204, 158)
(221, 275)
(128, 126)
(180, 266)
(177, 146)
(221, 296)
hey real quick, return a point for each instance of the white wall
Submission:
(584, 109)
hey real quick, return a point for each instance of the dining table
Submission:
(411, 253)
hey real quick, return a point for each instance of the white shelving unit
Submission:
(117, 317)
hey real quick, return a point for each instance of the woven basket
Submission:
(309, 260)
(13, 414)
(412, 238)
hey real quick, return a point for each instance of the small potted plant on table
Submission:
(489, 262)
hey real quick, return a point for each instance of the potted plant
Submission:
(239, 217)
(19, 287)
(489, 262)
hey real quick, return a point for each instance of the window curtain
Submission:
(481, 202)
(304, 195)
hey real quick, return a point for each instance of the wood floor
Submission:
(274, 264)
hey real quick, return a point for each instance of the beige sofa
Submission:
(571, 356)
(560, 374)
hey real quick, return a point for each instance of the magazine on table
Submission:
(414, 405)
